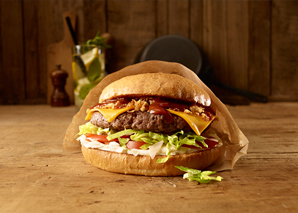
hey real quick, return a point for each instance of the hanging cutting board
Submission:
(60, 53)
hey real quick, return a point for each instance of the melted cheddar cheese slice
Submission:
(109, 114)
(197, 123)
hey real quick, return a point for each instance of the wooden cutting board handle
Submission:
(60, 54)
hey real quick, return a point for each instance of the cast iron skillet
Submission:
(176, 48)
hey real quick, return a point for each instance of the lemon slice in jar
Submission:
(89, 56)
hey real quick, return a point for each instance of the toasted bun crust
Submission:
(156, 84)
(144, 165)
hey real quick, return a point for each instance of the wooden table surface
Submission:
(36, 176)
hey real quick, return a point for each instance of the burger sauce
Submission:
(158, 107)
(158, 110)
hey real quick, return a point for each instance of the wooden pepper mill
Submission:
(59, 96)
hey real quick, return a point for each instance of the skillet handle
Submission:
(251, 95)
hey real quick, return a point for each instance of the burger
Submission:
(150, 124)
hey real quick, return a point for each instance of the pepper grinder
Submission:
(59, 96)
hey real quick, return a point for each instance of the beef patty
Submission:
(141, 121)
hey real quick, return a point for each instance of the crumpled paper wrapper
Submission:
(235, 142)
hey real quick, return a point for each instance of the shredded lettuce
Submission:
(121, 133)
(198, 175)
(163, 160)
(93, 129)
(150, 138)
(123, 141)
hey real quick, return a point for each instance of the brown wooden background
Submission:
(252, 45)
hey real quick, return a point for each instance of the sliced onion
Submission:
(212, 139)
(154, 149)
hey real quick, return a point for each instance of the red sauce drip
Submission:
(180, 107)
(209, 115)
(97, 106)
(158, 106)
(166, 103)
(161, 102)
(122, 102)
(159, 110)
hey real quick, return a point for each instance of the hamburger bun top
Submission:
(156, 84)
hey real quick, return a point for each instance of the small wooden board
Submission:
(60, 53)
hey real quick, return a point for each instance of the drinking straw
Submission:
(77, 58)
(73, 35)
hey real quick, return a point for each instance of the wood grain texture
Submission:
(225, 40)
(162, 24)
(49, 30)
(250, 44)
(196, 22)
(2, 86)
(284, 50)
(37, 176)
(259, 51)
(178, 17)
(132, 28)
(60, 54)
(33, 80)
(12, 71)
(95, 18)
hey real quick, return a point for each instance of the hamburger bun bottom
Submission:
(145, 165)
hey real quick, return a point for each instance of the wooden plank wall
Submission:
(251, 45)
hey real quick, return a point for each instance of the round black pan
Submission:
(176, 48)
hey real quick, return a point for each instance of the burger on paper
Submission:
(153, 119)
